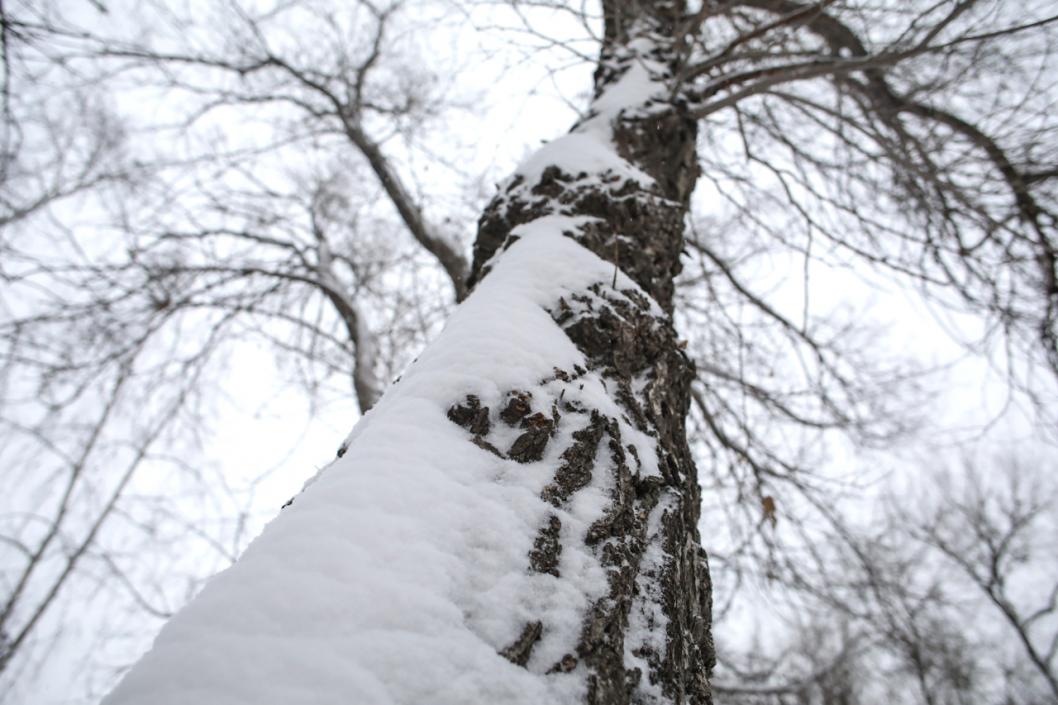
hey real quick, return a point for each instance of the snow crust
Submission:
(401, 571)
(581, 153)
(588, 150)
(638, 87)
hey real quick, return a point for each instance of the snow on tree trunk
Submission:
(516, 520)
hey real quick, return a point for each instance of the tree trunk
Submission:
(648, 539)
(525, 496)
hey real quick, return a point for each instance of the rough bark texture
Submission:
(648, 538)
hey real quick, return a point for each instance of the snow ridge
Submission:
(400, 572)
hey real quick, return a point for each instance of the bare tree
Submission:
(999, 537)
(950, 593)
(903, 139)
(742, 60)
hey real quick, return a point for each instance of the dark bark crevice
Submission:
(519, 652)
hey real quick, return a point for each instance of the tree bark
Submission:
(649, 540)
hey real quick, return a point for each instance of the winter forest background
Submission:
(226, 226)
